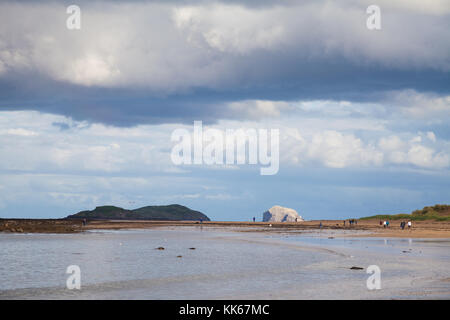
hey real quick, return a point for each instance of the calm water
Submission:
(224, 265)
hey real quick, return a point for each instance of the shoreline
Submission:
(420, 229)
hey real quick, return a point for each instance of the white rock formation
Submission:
(281, 214)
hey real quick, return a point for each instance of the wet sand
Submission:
(371, 228)
(285, 264)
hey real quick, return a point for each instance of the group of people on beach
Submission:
(351, 222)
(403, 224)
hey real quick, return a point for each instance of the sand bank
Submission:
(372, 228)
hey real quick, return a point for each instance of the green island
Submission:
(173, 212)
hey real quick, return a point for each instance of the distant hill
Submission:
(439, 212)
(173, 212)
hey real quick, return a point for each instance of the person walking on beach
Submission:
(409, 224)
(387, 223)
(253, 219)
(320, 225)
(384, 224)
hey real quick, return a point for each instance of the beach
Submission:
(215, 262)
(369, 228)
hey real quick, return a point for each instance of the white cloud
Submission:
(421, 105)
(91, 70)
(42, 146)
(431, 136)
(425, 157)
(332, 149)
(232, 28)
(413, 152)
(221, 196)
(21, 132)
(39, 145)
(391, 143)
(435, 7)
(416, 139)
(257, 109)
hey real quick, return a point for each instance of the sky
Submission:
(87, 115)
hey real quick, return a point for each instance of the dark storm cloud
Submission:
(154, 62)
(124, 107)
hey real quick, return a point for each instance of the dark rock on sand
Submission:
(39, 226)
(356, 268)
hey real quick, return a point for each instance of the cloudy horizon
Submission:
(86, 115)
